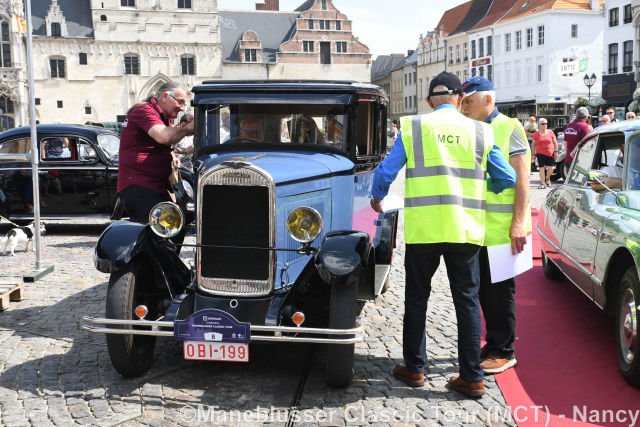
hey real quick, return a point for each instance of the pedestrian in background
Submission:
(183, 150)
(574, 132)
(145, 158)
(604, 120)
(611, 112)
(447, 157)
(545, 148)
(630, 115)
(508, 221)
(530, 128)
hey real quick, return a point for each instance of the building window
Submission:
(540, 35)
(59, 104)
(574, 31)
(56, 29)
(87, 110)
(473, 71)
(473, 49)
(103, 18)
(507, 42)
(465, 75)
(188, 63)
(307, 46)
(613, 58)
(628, 56)
(5, 44)
(250, 55)
(529, 37)
(325, 24)
(184, 4)
(57, 68)
(341, 47)
(324, 4)
(614, 16)
(128, 3)
(131, 64)
(539, 76)
(450, 54)
(481, 48)
(490, 72)
(518, 40)
(82, 58)
(338, 25)
(458, 53)
(627, 14)
(489, 46)
(481, 69)
(465, 51)
(310, 24)
(36, 101)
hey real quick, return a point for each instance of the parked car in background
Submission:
(593, 237)
(78, 171)
(288, 248)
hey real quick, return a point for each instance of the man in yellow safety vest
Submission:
(508, 221)
(447, 157)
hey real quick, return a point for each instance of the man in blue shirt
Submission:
(461, 256)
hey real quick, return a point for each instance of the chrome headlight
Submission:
(304, 224)
(166, 219)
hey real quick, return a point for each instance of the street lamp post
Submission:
(589, 82)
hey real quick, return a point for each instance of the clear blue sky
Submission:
(383, 29)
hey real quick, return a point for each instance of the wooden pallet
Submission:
(10, 292)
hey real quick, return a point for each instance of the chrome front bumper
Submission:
(161, 328)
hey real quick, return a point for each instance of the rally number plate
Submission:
(216, 351)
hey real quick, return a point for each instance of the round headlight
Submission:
(304, 224)
(166, 219)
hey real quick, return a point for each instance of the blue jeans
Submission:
(463, 270)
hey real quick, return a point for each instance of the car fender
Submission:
(342, 256)
(124, 241)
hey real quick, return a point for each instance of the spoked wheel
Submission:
(342, 315)
(627, 322)
(550, 269)
(131, 355)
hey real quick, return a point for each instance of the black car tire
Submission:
(131, 355)
(342, 315)
(550, 269)
(627, 324)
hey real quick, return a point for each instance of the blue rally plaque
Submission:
(212, 325)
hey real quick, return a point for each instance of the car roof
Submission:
(56, 129)
(625, 126)
(294, 86)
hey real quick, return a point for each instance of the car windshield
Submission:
(276, 124)
(633, 170)
(110, 144)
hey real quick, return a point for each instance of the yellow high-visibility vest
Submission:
(500, 206)
(445, 185)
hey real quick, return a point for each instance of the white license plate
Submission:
(218, 351)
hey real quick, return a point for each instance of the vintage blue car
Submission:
(590, 231)
(287, 247)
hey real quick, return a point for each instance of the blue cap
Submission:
(476, 83)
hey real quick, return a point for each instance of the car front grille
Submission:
(236, 207)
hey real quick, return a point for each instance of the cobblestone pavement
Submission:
(54, 373)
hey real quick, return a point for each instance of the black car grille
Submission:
(235, 229)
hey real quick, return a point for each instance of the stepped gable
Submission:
(77, 15)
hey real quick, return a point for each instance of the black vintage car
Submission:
(78, 171)
(287, 247)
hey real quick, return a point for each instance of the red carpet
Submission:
(566, 359)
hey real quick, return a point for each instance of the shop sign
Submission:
(555, 109)
(481, 62)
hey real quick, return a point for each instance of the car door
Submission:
(75, 183)
(16, 185)
(588, 213)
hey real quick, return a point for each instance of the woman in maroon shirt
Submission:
(145, 156)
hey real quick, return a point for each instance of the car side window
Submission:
(583, 162)
(15, 146)
(86, 153)
(58, 149)
(633, 168)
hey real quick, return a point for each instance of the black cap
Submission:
(448, 80)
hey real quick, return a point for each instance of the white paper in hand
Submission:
(503, 265)
(392, 203)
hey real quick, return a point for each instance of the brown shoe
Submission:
(474, 390)
(495, 365)
(410, 378)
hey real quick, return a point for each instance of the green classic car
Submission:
(589, 229)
